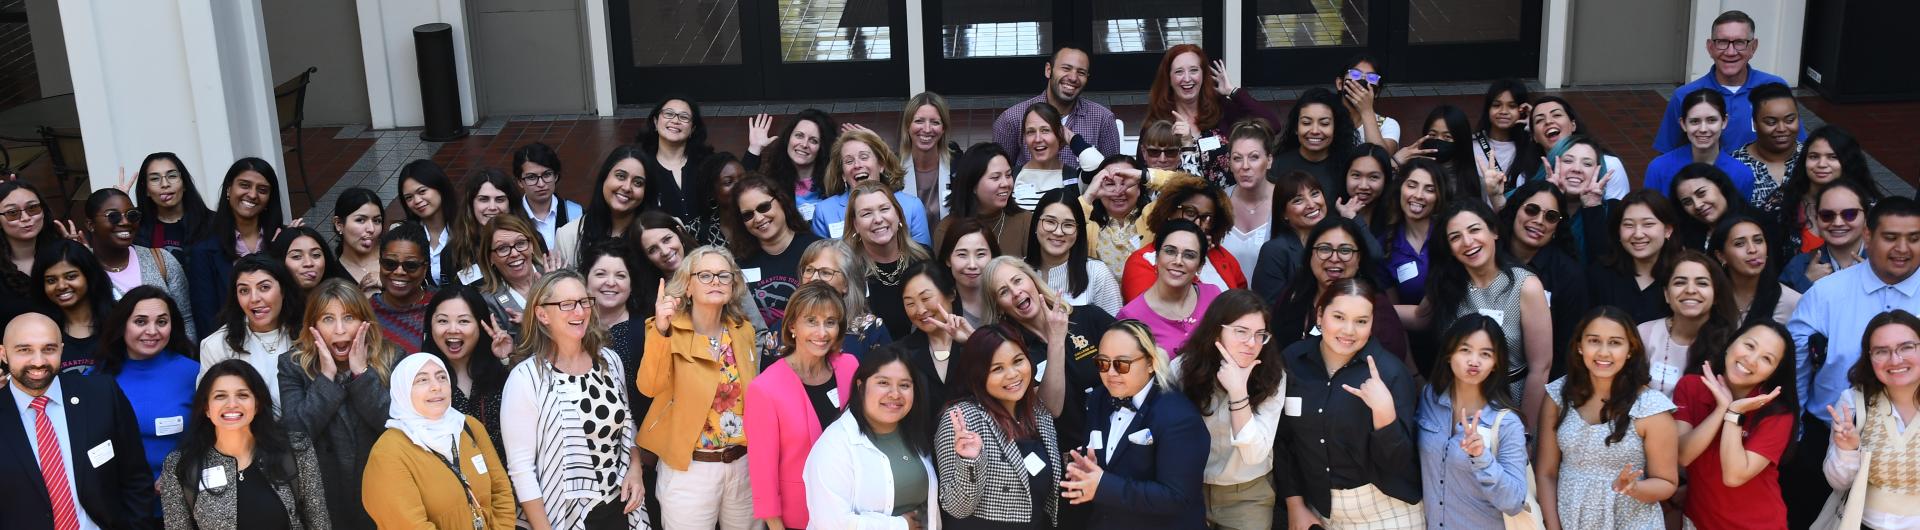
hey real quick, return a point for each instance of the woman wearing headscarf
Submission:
(434, 466)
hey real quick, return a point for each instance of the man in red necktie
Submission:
(69, 444)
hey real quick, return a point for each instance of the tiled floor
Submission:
(1886, 130)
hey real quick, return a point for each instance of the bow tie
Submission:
(1121, 403)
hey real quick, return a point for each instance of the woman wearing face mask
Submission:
(147, 352)
(796, 158)
(1735, 427)
(997, 448)
(1741, 245)
(248, 217)
(1185, 198)
(1318, 137)
(74, 285)
(301, 250)
(232, 432)
(1530, 228)
(428, 197)
(473, 344)
(1137, 484)
(719, 173)
(1552, 120)
(937, 333)
(700, 361)
(1249, 157)
(1226, 371)
(1334, 252)
(1302, 205)
(1501, 134)
(1459, 173)
(1175, 301)
(1869, 421)
(401, 304)
(263, 315)
(1058, 248)
(175, 211)
(676, 136)
(491, 194)
(873, 467)
(1196, 97)
(1115, 201)
(967, 248)
(882, 253)
(1471, 433)
(1629, 277)
(1608, 442)
(1370, 177)
(793, 401)
(831, 261)
(1703, 193)
(926, 152)
(860, 156)
(515, 259)
(1359, 86)
(622, 190)
(115, 227)
(1831, 155)
(769, 236)
(1701, 320)
(359, 222)
(1371, 475)
(988, 172)
(1842, 216)
(434, 466)
(536, 169)
(335, 385)
(1044, 171)
(1704, 119)
(1407, 231)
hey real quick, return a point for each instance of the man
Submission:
(1731, 46)
(1066, 75)
(1833, 315)
(69, 444)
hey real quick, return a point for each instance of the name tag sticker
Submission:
(1209, 143)
(1039, 371)
(567, 391)
(835, 229)
(1315, 331)
(479, 465)
(1549, 298)
(1495, 314)
(806, 212)
(213, 477)
(833, 397)
(100, 454)
(1095, 441)
(169, 426)
(1406, 271)
(752, 275)
(1292, 407)
(1034, 464)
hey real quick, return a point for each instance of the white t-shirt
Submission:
(127, 279)
(1389, 129)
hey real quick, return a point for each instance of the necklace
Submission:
(271, 347)
(122, 267)
(886, 277)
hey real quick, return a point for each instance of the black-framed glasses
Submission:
(1327, 251)
(1736, 44)
(1826, 216)
(682, 117)
(1161, 151)
(547, 176)
(1356, 74)
(411, 266)
(763, 208)
(1244, 334)
(30, 209)
(1120, 366)
(507, 249)
(709, 278)
(1534, 210)
(114, 217)
(570, 305)
(1190, 213)
(1058, 225)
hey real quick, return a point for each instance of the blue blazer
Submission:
(1157, 486)
(117, 494)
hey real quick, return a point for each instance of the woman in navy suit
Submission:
(1146, 445)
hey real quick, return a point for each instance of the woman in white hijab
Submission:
(434, 467)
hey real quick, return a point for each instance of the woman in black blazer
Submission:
(1146, 445)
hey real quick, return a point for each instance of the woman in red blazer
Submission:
(793, 400)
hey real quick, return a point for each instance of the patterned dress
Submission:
(726, 419)
(1588, 466)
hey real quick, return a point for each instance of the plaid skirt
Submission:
(1368, 508)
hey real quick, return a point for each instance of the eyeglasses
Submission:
(1826, 216)
(1190, 213)
(411, 266)
(1057, 225)
(825, 274)
(170, 176)
(16, 213)
(570, 305)
(681, 117)
(1161, 151)
(1242, 334)
(1905, 349)
(1534, 210)
(1327, 251)
(507, 249)
(1372, 78)
(1736, 44)
(710, 278)
(547, 176)
(1175, 252)
(1120, 366)
(763, 208)
(114, 217)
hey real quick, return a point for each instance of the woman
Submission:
(1318, 137)
(1336, 252)
(570, 442)
(1406, 229)
(1459, 172)
(1114, 203)
(985, 176)
(793, 159)
(1250, 155)
(719, 173)
(1607, 441)
(1302, 205)
(1474, 277)
(1870, 417)
(861, 473)
(793, 401)
(1531, 228)
(1044, 137)
(1203, 205)
(1195, 95)
(407, 473)
(149, 355)
(1552, 119)
(248, 216)
(1157, 483)
(1584, 177)
(537, 170)
(1703, 193)
(1359, 84)
(1160, 148)
(1225, 370)
(1629, 277)
(1175, 301)
(1501, 134)
(622, 189)
(767, 232)
(77, 290)
(1058, 248)
(25, 227)
(938, 332)
(172, 202)
(1701, 320)
(1470, 432)
(1841, 214)
(860, 156)
(492, 194)
(874, 235)
(1370, 176)
(359, 222)
(1370, 423)
(611, 285)
(1066, 337)
(428, 198)
(1734, 462)
(1741, 245)
(1704, 117)
(233, 435)
(967, 247)
(1775, 150)
(301, 250)
(1831, 155)
(676, 137)
(926, 153)
(515, 259)
(401, 304)
(831, 261)
(699, 362)
(997, 450)
(335, 382)
(115, 227)
(263, 315)
(473, 345)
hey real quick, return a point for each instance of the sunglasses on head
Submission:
(1534, 210)
(763, 208)
(1372, 78)
(1849, 214)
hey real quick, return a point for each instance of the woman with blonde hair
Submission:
(516, 256)
(925, 155)
(1145, 471)
(859, 156)
(699, 359)
(832, 262)
(874, 235)
(570, 441)
(333, 388)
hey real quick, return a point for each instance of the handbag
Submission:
(1844, 509)
(1529, 517)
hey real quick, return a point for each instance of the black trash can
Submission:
(439, 82)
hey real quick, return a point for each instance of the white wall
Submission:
(393, 75)
(1779, 24)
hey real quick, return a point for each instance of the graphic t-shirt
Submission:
(771, 279)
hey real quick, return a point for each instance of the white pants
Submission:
(705, 494)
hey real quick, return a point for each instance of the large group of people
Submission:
(1258, 320)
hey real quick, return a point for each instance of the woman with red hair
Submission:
(1194, 94)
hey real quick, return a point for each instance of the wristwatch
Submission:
(1732, 417)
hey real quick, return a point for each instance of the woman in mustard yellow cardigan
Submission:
(434, 467)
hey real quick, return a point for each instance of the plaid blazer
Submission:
(993, 486)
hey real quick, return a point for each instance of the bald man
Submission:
(69, 444)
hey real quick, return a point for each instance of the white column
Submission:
(393, 75)
(1555, 17)
(1778, 24)
(1233, 38)
(187, 76)
(916, 48)
(601, 55)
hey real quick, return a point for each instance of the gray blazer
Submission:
(174, 281)
(218, 508)
(344, 416)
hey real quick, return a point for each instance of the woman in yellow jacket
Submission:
(434, 467)
(699, 358)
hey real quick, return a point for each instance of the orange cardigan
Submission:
(407, 487)
(682, 379)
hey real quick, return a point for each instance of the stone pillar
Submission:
(393, 77)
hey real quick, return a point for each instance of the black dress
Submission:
(1609, 287)
(259, 507)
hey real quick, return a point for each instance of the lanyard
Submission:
(473, 503)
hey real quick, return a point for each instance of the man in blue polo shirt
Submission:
(1731, 46)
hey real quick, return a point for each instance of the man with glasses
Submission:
(1827, 328)
(1066, 74)
(1731, 46)
(537, 171)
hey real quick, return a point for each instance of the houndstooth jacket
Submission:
(993, 486)
(218, 508)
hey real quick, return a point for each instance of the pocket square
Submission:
(1141, 437)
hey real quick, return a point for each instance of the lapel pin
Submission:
(74, 400)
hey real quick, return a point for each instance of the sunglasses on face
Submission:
(114, 217)
(1534, 210)
(1161, 151)
(411, 266)
(16, 213)
(1372, 78)
(1826, 216)
(1190, 213)
(763, 208)
(1119, 366)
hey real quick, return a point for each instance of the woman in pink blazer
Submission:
(793, 400)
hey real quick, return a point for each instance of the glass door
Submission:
(1002, 46)
(720, 50)
(1306, 42)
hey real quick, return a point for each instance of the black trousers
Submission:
(1801, 481)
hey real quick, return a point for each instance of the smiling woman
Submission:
(401, 304)
(249, 214)
(114, 227)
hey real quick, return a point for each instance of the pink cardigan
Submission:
(781, 428)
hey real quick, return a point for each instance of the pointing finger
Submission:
(1373, 367)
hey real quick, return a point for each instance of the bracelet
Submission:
(1732, 417)
(1244, 405)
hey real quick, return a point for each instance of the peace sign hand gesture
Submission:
(502, 342)
(1493, 180)
(70, 230)
(965, 442)
(1375, 394)
(1845, 436)
(1628, 483)
(1472, 443)
(125, 184)
(663, 307)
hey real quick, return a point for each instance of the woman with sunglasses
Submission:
(986, 173)
(1160, 148)
(768, 234)
(1059, 248)
(1144, 464)
(1531, 228)
(175, 211)
(832, 262)
(491, 194)
(536, 170)
(515, 259)
(114, 228)
(75, 289)
(1830, 155)
(699, 361)
(1742, 246)
(248, 216)
(358, 221)
(1842, 222)
(1187, 198)
(24, 218)
(1334, 252)
(1230, 375)
(794, 400)
(302, 251)
(263, 315)
(621, 190)
(1176, 300)
(333, 386)
(401, 304)
(997, 449)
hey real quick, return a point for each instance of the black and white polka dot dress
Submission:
(603, 415)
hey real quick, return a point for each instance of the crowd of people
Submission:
(1246, 324)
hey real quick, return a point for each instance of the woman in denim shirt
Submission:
(1488, 475)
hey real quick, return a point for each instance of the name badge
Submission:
(751, 275)
(1034, 464)
(1315, 331)
(834, 230)
(1495, 314)
(479, 465)
(169, 426)
(806, 213)
(567, 391)
(213, 477)
(1039, 371)
(1209, 143)
(1549, 298)
(833, 397)
(1406, 271)
(1292, 407)
(470, 275)
(100, 454)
